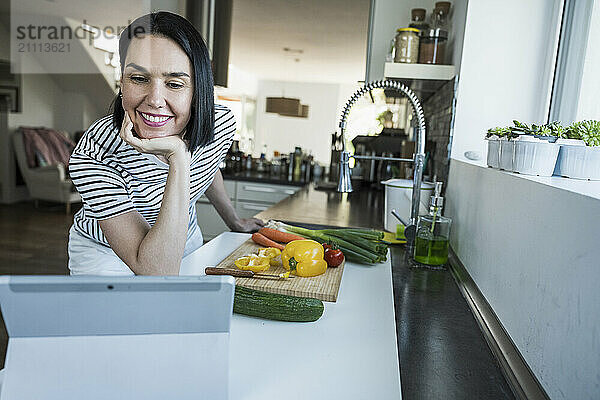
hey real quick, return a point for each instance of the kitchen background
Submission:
(310, 52)
(499, 65)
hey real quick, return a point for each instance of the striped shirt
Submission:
(113, 178)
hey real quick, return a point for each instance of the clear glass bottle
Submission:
(418, 19)
(433, 233)
(297, 163)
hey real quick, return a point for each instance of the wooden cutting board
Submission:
(323, 287)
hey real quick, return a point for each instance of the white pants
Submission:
(87, 257)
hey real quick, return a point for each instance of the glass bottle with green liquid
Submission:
(433, 232)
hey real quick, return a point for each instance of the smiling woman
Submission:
(141, 170)
(157, 98)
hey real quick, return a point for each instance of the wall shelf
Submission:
(424, 79)
(419, 71)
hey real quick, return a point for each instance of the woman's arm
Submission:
(155, 250)
(219, 198)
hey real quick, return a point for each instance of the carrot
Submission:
(279, 236)
(264, 241)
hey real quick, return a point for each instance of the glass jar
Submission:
(431, 242)
(432, 47)
(406, 45)
(439, 16)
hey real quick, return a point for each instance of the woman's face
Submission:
(157, 87)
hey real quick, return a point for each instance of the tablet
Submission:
(140, 337)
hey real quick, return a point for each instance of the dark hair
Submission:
(200, 128)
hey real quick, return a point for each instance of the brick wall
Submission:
(438, 115)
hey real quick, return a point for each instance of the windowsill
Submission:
(579, 186)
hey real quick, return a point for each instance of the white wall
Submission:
(588, 105)
(531, 248)
(40, 94)
(240, 82)
(47, 103)
(506, 72)
(533, 252)
(312, 133)
(76, 112)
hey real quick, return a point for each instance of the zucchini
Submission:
(279, 307)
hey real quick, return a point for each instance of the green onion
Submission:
(357, 240)
(360, 245)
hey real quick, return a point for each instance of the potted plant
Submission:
(523, 148)
(535, 152)
(493, 137)
(579, 155)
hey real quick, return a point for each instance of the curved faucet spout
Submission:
(345, 184)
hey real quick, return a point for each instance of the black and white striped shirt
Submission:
(113, 178)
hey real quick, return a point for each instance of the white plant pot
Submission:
(578, 161)
(398, 196)
(493, 156)
(535, 157)
(507, 149)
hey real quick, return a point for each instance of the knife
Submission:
(242, 273)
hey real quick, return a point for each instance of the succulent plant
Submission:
(588, 131)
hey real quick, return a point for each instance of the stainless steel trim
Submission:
(516, 371)
(263, 189)
(382, 158)
(369, 41)
(253, 207)
(211, 29)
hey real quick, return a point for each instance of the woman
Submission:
(140, 170)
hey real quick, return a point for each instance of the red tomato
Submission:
(333, 257)
(326, 246)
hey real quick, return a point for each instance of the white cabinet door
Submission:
(247, 209)
(263, 192)
(248, 198)
(209, 220)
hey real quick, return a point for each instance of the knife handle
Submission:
(228, 271)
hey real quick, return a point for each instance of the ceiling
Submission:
(331, 33)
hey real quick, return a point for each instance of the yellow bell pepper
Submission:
(304, 258)
(253, 263)
(273, 253)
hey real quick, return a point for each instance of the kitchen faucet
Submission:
(345, 185)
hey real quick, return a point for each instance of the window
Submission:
(576, 81)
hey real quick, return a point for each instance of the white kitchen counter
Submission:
(351, 352)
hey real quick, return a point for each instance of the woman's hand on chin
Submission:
(168, 146)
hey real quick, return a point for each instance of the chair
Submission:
(49, 183)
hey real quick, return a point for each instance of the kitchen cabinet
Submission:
(248, 198)
(247, 209)
(263, 193)
(209, 220)
(253, 198)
